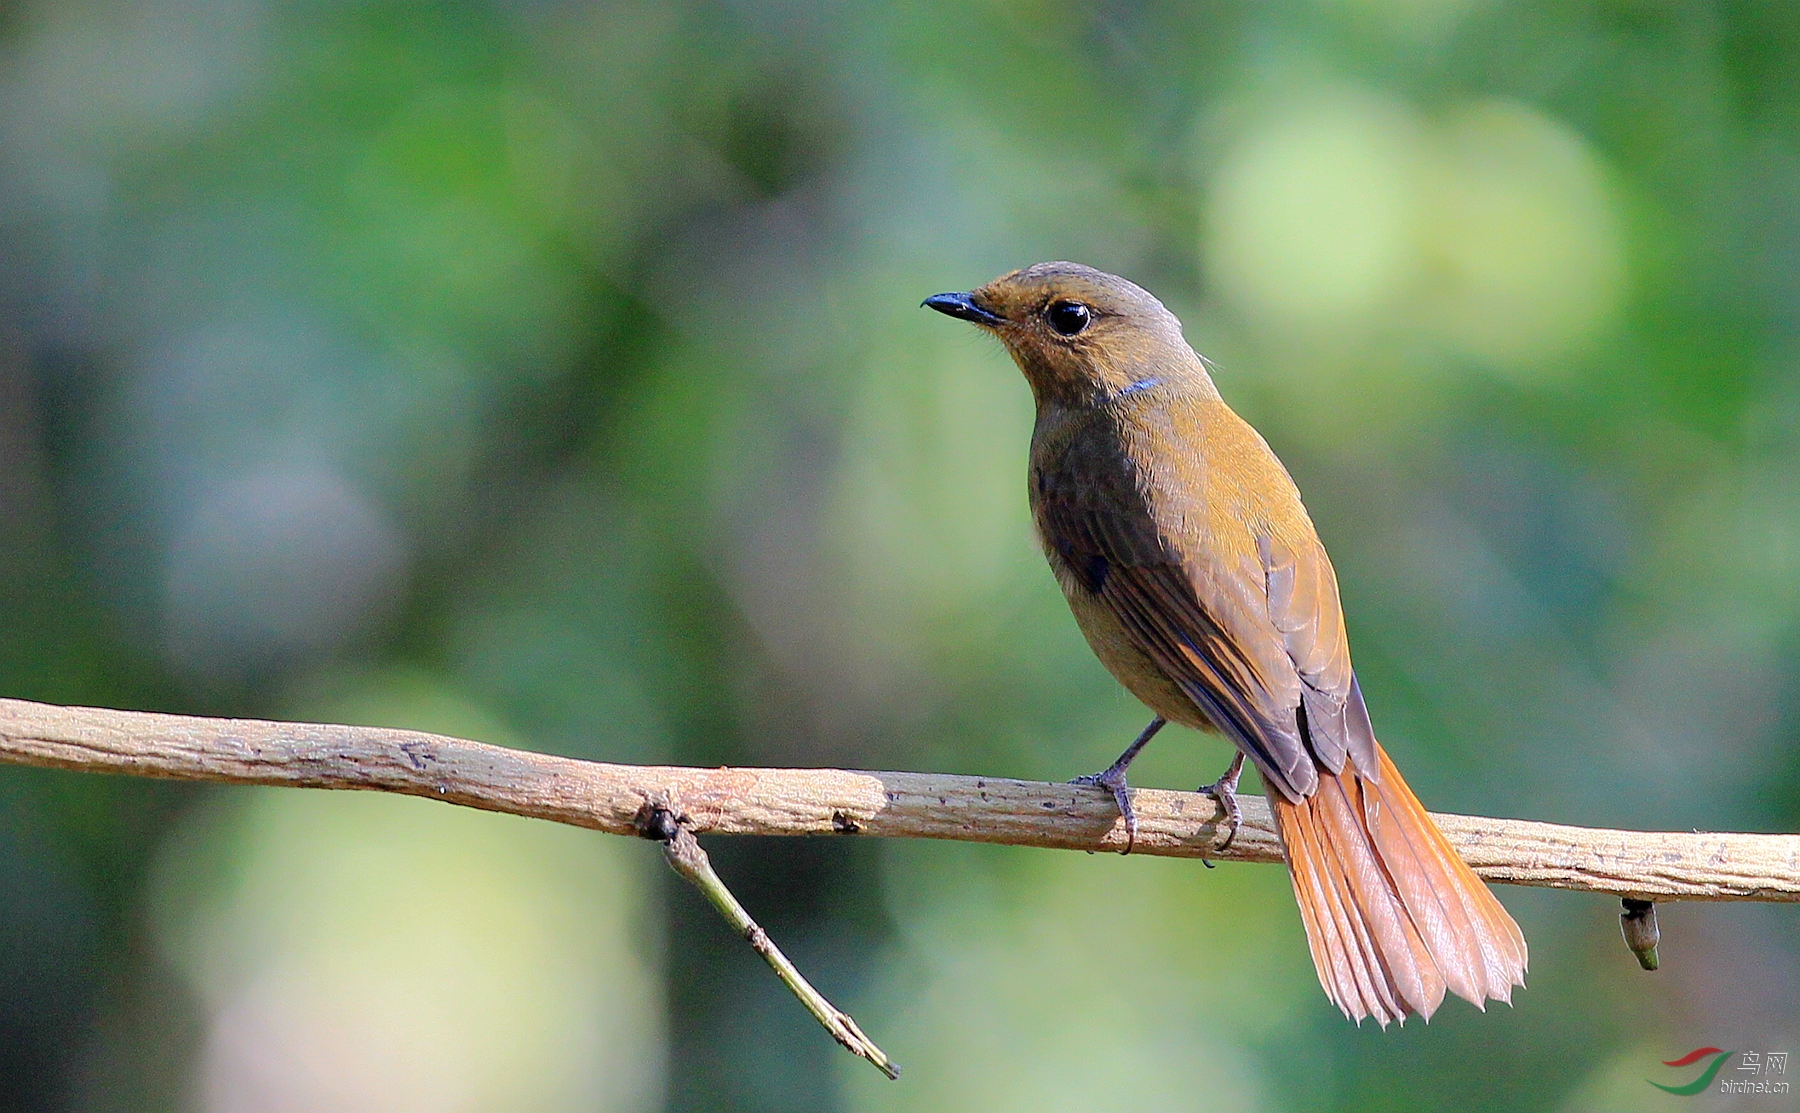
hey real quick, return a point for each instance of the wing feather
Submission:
(1220, 651)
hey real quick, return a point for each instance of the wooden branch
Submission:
(727, 801)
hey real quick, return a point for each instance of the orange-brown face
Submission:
(1073, 330)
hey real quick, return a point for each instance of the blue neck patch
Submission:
(1141, 384)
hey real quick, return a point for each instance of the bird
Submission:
(1200, 582)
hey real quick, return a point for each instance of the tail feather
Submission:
(1397, 937)
(1498, 946)
(1329, 934)
(1394, 918)
(1348, 932)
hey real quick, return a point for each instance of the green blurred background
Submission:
(552, 373)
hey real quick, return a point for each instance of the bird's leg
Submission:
(1112, 778)
(1224, 790)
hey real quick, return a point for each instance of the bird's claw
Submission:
(1113, 780)
(1224, 790)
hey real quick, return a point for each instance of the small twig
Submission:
(685, 856)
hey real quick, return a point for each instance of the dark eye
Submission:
(1068, 317)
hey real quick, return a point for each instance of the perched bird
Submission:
(1201, 584)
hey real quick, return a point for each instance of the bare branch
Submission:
(686, 858)
(726, 801)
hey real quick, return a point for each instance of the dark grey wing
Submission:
(1205, 623)
(1304, 607)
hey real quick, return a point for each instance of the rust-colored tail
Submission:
(1393, 916)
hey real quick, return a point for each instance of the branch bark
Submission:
(1644, 865)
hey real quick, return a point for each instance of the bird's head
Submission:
(1078, 334)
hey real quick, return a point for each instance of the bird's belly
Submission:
(1128, 664)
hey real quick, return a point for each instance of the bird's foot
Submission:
(1112, 779)
(1224, 790)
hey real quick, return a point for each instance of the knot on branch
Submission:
(1638, 923)
(657, 822)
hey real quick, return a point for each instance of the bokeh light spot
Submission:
(1310, 224)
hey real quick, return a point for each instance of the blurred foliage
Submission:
(552, 373)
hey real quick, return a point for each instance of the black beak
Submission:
(963, 308)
